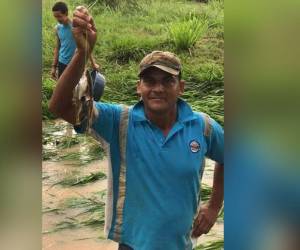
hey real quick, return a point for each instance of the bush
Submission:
(186, 33)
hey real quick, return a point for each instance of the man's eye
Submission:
(149, 81)
(169, 79)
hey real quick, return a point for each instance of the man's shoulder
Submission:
(57, 26)
(206, 122)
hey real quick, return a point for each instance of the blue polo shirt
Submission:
(155, 179)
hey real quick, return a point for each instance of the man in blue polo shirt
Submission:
(156, 152)
(65, 43)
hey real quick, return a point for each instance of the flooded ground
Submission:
(74, 185)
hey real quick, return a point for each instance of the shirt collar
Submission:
(185, 112)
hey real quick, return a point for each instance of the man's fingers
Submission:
(82, 9)
(82, 18)
(201, 226)
(79, 22)
(92, 21)
(81, 15)
(78, 30)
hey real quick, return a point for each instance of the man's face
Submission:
(159, 90)
(60, 17)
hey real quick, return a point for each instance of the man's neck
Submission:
(164, 121)
(68, 22)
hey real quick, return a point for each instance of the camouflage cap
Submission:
(163, 60)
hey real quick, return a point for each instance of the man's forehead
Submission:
(58, 13)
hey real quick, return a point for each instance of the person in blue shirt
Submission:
(65, 43)
(156, 150)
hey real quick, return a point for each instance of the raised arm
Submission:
(85, 35)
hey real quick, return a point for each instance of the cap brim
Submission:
(164, 68)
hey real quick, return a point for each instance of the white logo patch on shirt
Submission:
(194, 146)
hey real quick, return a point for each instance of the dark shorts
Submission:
(61, 67)
(124, 247)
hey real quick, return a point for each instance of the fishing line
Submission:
(89, 8)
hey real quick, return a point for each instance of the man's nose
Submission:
(158, 86)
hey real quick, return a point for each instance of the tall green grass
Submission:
(186, 33)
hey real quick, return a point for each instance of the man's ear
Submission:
(181, 86)
(138, 86)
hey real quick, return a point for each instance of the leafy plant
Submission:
(186, 33)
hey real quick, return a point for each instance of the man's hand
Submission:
(205, 220)
(84, 30)
(53, 73)
(208, 213)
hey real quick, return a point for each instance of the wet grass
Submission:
(75, 180)
(213, 245)
(86, 155)
(51, 210)
(90, 212)
(205, 192)
(57, 142)
(205, 196)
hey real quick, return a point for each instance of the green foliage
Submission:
(214, 245)
(213, 13)
(114, 4)
(87, 155)
(205, 192)
(186, 33)
(81, 180)
(91, 212)
(128, 48)
(47, 90)
(56, 141)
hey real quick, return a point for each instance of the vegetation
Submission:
(184, 34)
(75, 180)
(91, 212)
(57, 145)
(214, 245)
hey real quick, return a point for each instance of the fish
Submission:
(83, 102)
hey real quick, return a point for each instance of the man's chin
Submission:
(159, 109)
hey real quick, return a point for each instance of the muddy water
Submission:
(55, 196)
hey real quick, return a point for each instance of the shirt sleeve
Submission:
(106, 123)
(215, 142)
